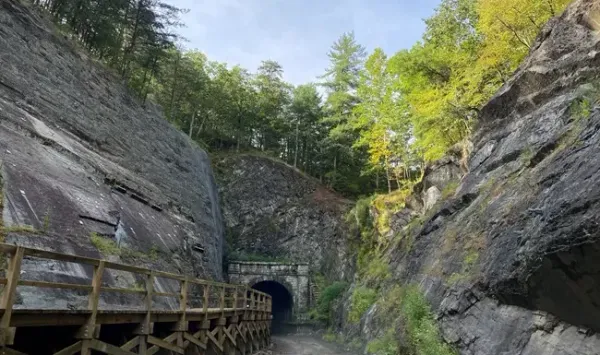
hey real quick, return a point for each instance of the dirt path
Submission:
(304, 345)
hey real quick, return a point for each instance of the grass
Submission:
(362, 299)
(108, 246)
(408, 315)
(329, 336)
(384, 345)
(21, 229)
(420, 326)
(257, 257)
(104, 245)
(450, 189)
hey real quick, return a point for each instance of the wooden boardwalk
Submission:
(231, 319)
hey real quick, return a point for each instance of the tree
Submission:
(306, 115)
(437, 81)
(340, 81)
(378, 118)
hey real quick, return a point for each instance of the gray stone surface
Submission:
(294, 277)
(511, 263)
(272, 209)
(81, 154)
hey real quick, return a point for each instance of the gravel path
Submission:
(304, 345)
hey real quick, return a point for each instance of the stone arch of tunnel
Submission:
(276, 277)
(282, 301)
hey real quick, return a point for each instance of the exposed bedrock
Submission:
(81, 157)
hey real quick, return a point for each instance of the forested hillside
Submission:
(382, 118)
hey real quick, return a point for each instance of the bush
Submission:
(420, 325)
(385, 345)
(362, 299)
(322, 312)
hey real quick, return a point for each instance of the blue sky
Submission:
(298, 33)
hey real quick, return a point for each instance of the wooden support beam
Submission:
(131, 344)
(70, 350)
(9, 351)
(194, 340)
(108, 348)
(165, 345)
(212, 338)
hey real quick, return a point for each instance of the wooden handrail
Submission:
(254, 300)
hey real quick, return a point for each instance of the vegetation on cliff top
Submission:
(381, 118)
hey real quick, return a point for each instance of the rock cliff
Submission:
(510, 263)
(273, 210)
(87, 167)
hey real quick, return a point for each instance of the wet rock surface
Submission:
(81, 155)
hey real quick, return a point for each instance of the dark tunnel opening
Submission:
(282, 303)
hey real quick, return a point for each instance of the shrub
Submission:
(323, 309)
(329, 336)
(362, 299)
(420, 325)
(385, 345)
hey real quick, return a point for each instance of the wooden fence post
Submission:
(7, 333)
(145, 328)
(90, 330)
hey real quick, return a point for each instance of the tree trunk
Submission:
(296, 150)
(192, 124)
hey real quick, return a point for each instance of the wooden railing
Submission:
(224, 297)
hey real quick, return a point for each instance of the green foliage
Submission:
(241, 255)
(381, 118)
(581, 109)
(362, 299)
(330, 336)
(20, 229)
(385, 345)
(324, 303)
(450, 189)
(421, 327)
(46, 225)
(104, 245)
(377, 269)
(108, 246)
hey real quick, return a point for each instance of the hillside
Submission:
(509, 263)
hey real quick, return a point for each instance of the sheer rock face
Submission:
(272, 209)
(81, 155)
(511, 264)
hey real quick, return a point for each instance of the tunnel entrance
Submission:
(282, 303)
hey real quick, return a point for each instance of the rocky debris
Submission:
(81, 155)
(510, 263)
(274, 210)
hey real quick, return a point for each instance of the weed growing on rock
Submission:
(385, 345)
(329, 336)
(581, 109)
(421, 328)
(378, 269)
(362, 299)
(406, 309)
(104, 245)
(108, 246)
(21, 229)
(257, 257)
(450, 189)
(46, 225)
(323, 310)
